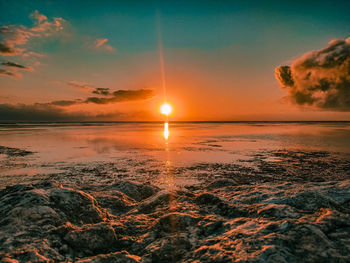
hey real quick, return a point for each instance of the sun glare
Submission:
(165, 109)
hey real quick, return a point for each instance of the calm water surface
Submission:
(59, 145)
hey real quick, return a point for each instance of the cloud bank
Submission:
(43, 112)
(56, 110)
(108, 96)
(319, 78)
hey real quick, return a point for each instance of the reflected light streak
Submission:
(166, 130)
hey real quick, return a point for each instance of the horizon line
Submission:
(209, 121)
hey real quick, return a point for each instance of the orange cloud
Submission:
(101, 43)
(15, 37)
(10, 73)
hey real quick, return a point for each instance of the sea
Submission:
(58, 147)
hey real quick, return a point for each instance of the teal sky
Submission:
(219, 55)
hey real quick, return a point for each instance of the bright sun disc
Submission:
(165, 109)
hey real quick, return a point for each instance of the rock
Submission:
(284, 226)
(277, 211)
(175, 222)
(114, 201)
(208, 199)
(117, 257)
(137, 191)
(267, 222)
(170, 249)
(212, 254)
(79, 207)
(219, 183)
(92, 239)
(214, 204)
(311, 201)
(161, 199)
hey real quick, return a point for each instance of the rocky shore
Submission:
(221, 220)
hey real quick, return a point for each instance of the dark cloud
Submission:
(44, 112)
(93, 89)
(320, 78)
(56, 110)
(15, 65)
(122, 95)
(35, 112)
(65, 102)
(101, 91)
(10, 73)
(116, 96)
(6, 50)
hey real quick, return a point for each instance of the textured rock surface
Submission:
(219, 222)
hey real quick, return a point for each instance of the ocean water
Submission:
(56, 145)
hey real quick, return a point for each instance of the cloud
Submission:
(15, 65)
(122, 95)
(116, 96)
(10, 73)
(44, 112)
(101, 91)
(80, 85)
(321, 78)
(15, 37)
(109, 96)
(101, 43)
(6, 50)
(35, 112)
(64, 102)
(88, 87)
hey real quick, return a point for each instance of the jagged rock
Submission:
(114, 201)
(161, 199)
(175, 222)
(117, 257)
(77, 206)
(219, 183)
(92, 239)
(268, 222)
(277, 211)
(212, 254)
(170, 249)
(136, 191)
(215, 204)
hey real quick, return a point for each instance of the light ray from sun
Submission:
(161, 55)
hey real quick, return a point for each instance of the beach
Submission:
(211, 192)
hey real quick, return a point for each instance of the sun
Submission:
(165, 109)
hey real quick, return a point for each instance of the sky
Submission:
(222, 60)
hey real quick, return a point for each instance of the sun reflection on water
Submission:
(166, 130)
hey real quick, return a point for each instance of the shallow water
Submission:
(58, 146)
